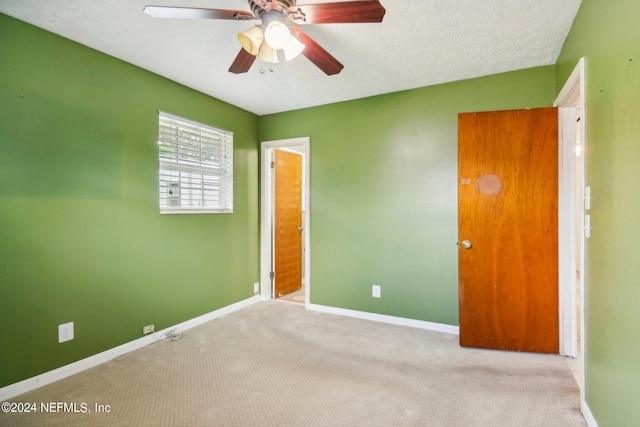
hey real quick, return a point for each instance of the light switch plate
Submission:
(587, 198)
(587, 226)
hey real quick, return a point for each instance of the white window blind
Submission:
(195, 167)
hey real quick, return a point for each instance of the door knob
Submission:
(466, 244)
(300, 229)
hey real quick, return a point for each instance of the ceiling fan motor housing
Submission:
(258, 7)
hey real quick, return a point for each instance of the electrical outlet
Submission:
(256, 288)
(149, 329)
(65, 332)
(375, 291)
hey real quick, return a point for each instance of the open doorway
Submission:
(573, 220)
(284, 235)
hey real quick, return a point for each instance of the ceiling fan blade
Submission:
(242, 63)
(347, 12)
(196, 13)
(316, 53)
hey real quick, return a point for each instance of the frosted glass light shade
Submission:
(277, 35)
(251, 40)
(293, 49)
(268, 54)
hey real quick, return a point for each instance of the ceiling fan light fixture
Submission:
(280, 20)
(277, 35)
(268, 54)
(251, 40)
(293, 49)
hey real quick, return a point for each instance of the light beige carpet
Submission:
(277, 364)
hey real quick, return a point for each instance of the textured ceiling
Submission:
(419, 43)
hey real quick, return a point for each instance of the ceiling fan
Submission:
(280, 28)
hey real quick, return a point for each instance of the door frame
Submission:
(266, 214)
(570, 103)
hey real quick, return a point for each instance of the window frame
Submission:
(197, 159)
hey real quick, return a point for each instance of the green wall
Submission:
(80, 235)
(384, 193)
(607, 35)
(81, 239)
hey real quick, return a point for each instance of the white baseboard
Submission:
(588, 415)
(49, 377)
(421, 324)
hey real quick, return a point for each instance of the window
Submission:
(196, 167)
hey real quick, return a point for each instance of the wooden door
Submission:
(508, 230)
(288, 222)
